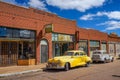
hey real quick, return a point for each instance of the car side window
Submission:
(82, 54)
(76, 54)
(104, 53)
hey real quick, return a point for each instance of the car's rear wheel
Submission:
(105, 60)
(67, 66)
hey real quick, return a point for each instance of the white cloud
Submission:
(114, 15)
(37, 4)
(32, 3)
(91, 16)
(110, 15)
(80, 5)
(111, 25)
(87, 17)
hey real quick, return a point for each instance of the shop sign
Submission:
(48, 28)
(3, 32)
(25, 33)
(62, 37)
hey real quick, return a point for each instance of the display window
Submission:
(26, 50)
(16, 44)
(83, 45)
(59, 48)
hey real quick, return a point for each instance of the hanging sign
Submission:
(48, 28)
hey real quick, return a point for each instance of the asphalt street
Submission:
(96, 71)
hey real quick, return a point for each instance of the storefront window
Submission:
(15, 33)
(94, 44)
(117, 48)
(111, 48)
(24, 41)
(32, 34)
(9, 32)
(28, 50)
(70, 46)
(83, 45)
(54, 37)
(24, 33)
(3, 32)
(62, 43)
(57, 49)
(103, 46)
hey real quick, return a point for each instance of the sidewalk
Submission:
(15, 70)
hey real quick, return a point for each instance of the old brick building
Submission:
(114, 44)
(90, 40)
(35, 34)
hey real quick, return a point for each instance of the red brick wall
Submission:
(114, 39)
(33, 19)
(83, 33)
(90, 34)
(97, 35)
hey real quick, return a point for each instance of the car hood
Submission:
(61, 58)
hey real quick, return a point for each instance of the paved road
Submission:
(108, 71)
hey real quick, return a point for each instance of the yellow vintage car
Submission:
(70, 59)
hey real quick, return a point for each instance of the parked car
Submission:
(101, 55)
(70, 59)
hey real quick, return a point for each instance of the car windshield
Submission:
(96, 52)
(69, 53)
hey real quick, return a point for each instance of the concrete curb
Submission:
(17, 73)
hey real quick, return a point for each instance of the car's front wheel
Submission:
(112, 60)
(67, 66)
(87, 64)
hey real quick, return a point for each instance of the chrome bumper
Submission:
(50, 66)
(96, 60)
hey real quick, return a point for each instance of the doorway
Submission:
(43, 51)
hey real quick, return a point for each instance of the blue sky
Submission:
(102, 15)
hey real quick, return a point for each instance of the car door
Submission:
(83, 58)
(77, 59)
